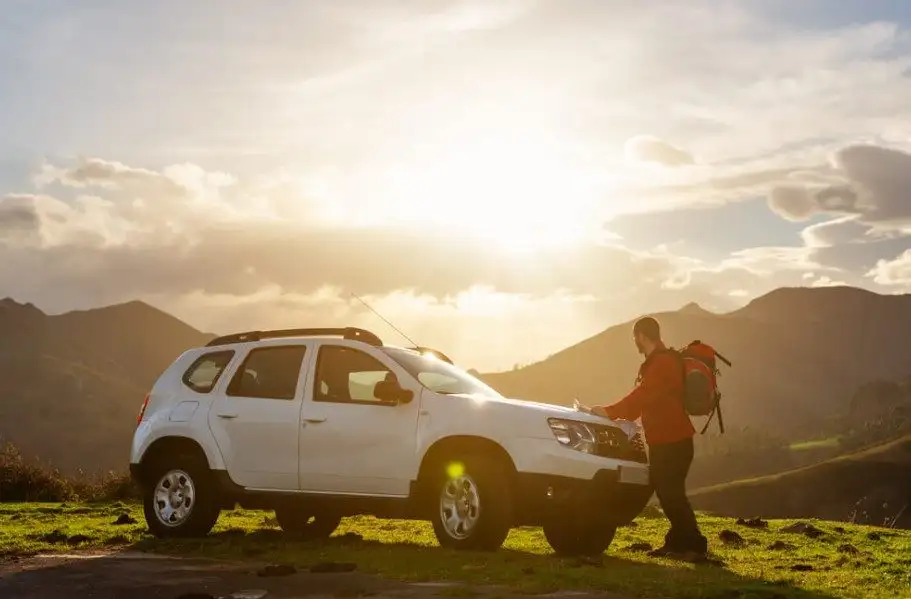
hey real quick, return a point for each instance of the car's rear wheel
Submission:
(179, 499)
(574, 537)
(472, 503)
(300, 522)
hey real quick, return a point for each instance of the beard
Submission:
(639, 347)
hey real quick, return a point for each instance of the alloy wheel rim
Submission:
(460, 506)
(175, 496)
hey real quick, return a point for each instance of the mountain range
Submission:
(798, 356)
(72, 383)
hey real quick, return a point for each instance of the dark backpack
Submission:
(701, 396)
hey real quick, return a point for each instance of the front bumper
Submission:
(545, 497)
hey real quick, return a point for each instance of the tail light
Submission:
(142, 410)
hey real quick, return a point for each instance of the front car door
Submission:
(352, 442)
(256, 417)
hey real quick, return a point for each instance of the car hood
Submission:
(516, 408)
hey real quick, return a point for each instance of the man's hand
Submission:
(581, 407)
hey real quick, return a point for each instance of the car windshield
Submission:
(437, 375)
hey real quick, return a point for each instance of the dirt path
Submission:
(144, 576)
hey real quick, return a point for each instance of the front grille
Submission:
(613, 443)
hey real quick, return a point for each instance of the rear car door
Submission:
(255, 418)
(351, 442)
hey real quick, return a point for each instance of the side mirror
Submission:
(392, 392)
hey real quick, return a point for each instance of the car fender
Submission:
(160, 426)
(442, 418)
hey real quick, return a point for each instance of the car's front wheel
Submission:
(472, 501)
(179, 499)
(300, 522)
(572, 537)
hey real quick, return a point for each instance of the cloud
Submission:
(226, 253)
(712, 186)
(124, 233)
(18, 214)
(893, 273)
(797, 203)
(836, 231)
(881, 177)
(866, 199)
(175, 180)
(651, 149)
(792, 203)
(827, 282)
(873, 184)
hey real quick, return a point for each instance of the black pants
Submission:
(669, 465)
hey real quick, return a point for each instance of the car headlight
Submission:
(574, 434)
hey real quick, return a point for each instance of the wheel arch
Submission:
(462, 444)
(168, 446)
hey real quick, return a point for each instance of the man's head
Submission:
(646, 334)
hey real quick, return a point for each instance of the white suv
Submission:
(319, 424)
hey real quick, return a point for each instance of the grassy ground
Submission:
(845, 562)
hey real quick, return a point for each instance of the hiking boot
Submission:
(685, 554)
(663, 551)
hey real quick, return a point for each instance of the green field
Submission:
(845, 563)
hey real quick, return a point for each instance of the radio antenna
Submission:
(384, 319)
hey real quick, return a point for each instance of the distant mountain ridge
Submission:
(798, 354)
(72, 383)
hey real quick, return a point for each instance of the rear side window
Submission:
(269, 373)
(205, 371)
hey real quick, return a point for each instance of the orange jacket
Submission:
(658, 400)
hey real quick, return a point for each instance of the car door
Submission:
(255, 418)
(351, 442)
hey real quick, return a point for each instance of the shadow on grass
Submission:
(520, 572)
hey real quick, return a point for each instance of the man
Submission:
(658, 401)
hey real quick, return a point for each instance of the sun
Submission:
(516, 194)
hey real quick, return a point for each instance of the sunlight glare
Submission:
(517, 195)
(455, 469)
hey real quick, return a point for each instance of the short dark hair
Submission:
(649, 327)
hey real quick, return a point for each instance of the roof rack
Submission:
(352, 333)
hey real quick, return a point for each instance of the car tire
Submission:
(471, 503)
(297, 521)
(180, 498)
(579, 538)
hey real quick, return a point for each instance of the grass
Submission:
(31, 480)
(829, 443)
(845, 562)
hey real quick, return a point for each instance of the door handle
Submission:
(228, 415)
(315, 420)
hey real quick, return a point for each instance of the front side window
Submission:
(269, 373)
(205, 371)
(348, 375)
(439, 376)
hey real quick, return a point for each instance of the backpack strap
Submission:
(678, 355)
(708, 421)
(648, 359)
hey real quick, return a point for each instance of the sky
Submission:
(498, 179)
